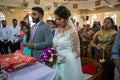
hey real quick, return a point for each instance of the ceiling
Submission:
(83, 6)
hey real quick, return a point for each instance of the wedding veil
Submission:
(73, 27)
(70, 22)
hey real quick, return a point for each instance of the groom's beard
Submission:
(36, 20)
(4, 25)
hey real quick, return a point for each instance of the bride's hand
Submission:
(62, 60)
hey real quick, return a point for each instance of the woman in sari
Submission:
(103, 42)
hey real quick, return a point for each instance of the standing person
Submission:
(66, 42)
(77, 26)
(0, 39)
(99, 25)
(116, 51)
(116, 55)
(15, 43)
(53, 26)
(26, 30)
(40, 34)
(103, 42)
(22, 34)
(5, 37)
(95, 27)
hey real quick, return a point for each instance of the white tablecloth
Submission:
(37, 71)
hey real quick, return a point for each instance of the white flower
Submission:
(49, 51)
(43, 62)
(51, 59)
(102, 60)
(51, 54)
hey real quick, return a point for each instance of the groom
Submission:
(40, 34)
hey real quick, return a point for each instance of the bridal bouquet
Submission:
(48, 57)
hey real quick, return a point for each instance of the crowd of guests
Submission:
(9, 37)
(14, 38)
(97, 42)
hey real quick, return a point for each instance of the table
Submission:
(37, 71)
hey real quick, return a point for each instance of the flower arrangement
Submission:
(48, 57)
(103, 55)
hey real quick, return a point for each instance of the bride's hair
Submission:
(62, 12)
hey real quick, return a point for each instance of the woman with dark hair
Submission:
(53, 26)
(26, 29)
(103, 42)
(66, 42)
(22, 24)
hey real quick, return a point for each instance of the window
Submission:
(94, 18)
(114, 16)
(2, 16)
(30, 20)
(76, 18)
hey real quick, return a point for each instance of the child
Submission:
(26, 30)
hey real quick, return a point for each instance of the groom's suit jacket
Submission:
(42, 38)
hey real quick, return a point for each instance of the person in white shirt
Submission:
(77, 26)
(0, 41)
(15, 41)
(5, 33)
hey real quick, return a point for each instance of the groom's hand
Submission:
(30, 45)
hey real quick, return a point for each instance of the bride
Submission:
(66, 42)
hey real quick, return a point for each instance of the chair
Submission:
(99, 70)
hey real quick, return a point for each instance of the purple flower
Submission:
(54, 57)
(53, 50)
(48, 56)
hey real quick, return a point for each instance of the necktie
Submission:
(34, 30)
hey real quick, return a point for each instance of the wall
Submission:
(100, 17)
(11, 14)
(19, 14)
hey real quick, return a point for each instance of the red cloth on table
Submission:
(11, 62)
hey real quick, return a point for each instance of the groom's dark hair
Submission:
(39, 9)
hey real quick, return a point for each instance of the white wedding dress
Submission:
(70, 69)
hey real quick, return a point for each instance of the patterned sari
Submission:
(105, 40)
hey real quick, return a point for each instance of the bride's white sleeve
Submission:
(75, 43)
